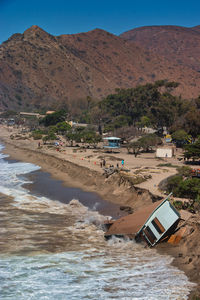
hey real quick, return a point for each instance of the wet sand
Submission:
(43, 184)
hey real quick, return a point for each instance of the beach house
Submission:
(152, 223)
(165, 152)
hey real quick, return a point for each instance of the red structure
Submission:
(196, 173)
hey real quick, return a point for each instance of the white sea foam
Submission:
(2, 155)
(109, 273)
(92, 268)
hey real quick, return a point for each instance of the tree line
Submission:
(150, 105)
(127, 111)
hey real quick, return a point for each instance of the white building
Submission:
(164, 152)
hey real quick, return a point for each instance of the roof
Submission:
(49, 112)
(29, 114)
(131, 224)
(111, 138)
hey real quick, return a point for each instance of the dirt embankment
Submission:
(187, 254)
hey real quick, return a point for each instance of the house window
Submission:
(158, 226)
(149, 234)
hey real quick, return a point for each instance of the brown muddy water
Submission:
(55, 250)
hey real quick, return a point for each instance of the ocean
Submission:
(51, 250)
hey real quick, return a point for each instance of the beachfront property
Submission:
(28, 114)
(76, 125)
(162, 222)
(165, 152)
(111, 143)
(151, 224)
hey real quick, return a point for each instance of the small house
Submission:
(162, 222)
(78, 125)
(165, 152)
(112, 142)
(28, 114)
(152, 223)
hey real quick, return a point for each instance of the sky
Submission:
(74, 16)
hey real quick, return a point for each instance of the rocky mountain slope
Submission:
(40, 70)
(180, 44)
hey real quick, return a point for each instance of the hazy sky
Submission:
(63, 16)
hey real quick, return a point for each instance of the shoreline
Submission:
(185, 254)
(43, 184)
(114, 190)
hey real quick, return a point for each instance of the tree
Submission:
(135, 146)
(173, 184)
(54, 118)
(90, 137)
(145, 121)
(184, 188)
(184, 171)
(71, 137)
(148, 141)
(180, 137)
(147, 101)
(197, 102)
(83, 135)
(167, 110)
(192, 150)
(62, 127)
(50, 137)
(192, 122)
(126, 133)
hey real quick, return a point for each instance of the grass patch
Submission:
(134, 179)
(195, 297)
(169, 165)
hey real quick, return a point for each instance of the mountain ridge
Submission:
(39, 70)
(178, 43)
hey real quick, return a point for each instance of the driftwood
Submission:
(109, 171)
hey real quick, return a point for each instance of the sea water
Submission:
(52, 250)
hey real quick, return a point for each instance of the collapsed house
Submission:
(152, 223)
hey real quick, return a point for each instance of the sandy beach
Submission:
(79, 167)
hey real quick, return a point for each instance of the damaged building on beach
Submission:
(151, 224)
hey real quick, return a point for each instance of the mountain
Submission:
(39, 70)
(180, 44)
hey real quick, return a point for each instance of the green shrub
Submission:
(173, 185)
(36, 136)
(169, 165)
(40, 131)
(50, 137)
(177, 204)
(184, 171)
(185, 188)
(195, 297)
